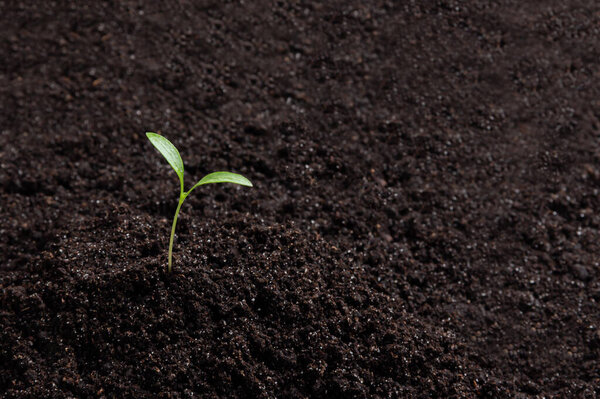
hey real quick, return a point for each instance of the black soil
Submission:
(424, 222)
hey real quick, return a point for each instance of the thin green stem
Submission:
(181, 199)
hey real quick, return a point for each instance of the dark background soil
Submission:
(424, 223)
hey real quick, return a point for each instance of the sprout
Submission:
(168, 150)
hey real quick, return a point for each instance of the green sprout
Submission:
(168, 150)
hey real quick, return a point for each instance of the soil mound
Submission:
(424, 222)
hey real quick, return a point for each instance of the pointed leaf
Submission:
(223, 177)
(168, 150)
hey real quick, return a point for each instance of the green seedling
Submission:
(168, 150)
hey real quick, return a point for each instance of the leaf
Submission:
(168, 150)
(223, 177)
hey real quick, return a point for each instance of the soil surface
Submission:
(424, 220)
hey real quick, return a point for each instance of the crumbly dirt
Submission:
(424, 222)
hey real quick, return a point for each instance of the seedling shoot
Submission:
(168, 150)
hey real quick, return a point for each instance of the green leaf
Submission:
(168, 150)
(223, 177)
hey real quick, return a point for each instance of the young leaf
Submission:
(168, 150)
(222, 177)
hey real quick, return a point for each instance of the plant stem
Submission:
(181, 199)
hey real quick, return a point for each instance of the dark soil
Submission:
(424, 222)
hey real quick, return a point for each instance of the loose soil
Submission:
(424, 222)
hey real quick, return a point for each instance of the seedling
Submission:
(168, 150)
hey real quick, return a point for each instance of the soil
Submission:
(424, 221)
